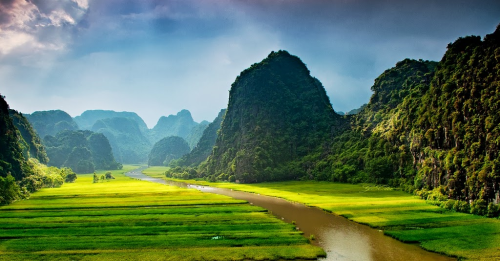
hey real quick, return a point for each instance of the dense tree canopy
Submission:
(11, 153)
(276, 114)
(166, 150)
(51, 122)
(129, 144)
(31, 144)
(20, 170)
(428, 126)
(82, 151)
(204, 147)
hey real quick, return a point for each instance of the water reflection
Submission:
(340, 238)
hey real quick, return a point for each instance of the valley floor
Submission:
(127, 219)
(398, 214)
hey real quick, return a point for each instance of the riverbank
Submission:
(130, 219)
(396, 213)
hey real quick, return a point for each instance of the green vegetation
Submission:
(204, 147)
(12, 160)
(129, 143)
(82, 151)
(277, 113)
(127, 219)
(130, 137)
(88, 118)
(51, 122)
(397, 213)
(20, 171)
(196, 133)
(166, 150)
(180, 125)
(428, 127)
(156, 171)
(30, 143)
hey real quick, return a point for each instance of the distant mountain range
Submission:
(128, 134)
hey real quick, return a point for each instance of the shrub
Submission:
(52, 181)
(68, 175)
(463, 206)
(479, 207)
(108, 175)
(449, 204)
(9, 190)
(70, 178)
(493, 210)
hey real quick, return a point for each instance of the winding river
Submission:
(340, 238)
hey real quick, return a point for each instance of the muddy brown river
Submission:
(340, 238)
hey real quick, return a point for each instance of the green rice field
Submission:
(399, 214)
(127, 219)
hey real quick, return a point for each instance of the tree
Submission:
(9, 190)
(109, 175)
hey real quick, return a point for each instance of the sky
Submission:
(156, 57)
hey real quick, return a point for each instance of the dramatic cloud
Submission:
(25, 25)
(156, 57)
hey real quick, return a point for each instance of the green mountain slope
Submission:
(12, 160)
(429, 126)
(82, 151)
(276, 113)
(88, 118)
(179, 125)
(51, 122)
(129, 144)
(31, 142)
(166, 150)
(196, 133)
(20, 171)
(366, 152)
(205, 145)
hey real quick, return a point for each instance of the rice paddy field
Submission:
(127, 219)
(399, 214)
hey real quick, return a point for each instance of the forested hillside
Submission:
(30, 143)
(82, 151)
(128, 142)
(360, 154)
(88, 118)
(204, 147)
(166, 150)
(179, 125)
(11, 153)
(428, 126)
(20, 171)
(277, 113)
(196, 133)
(51, 122)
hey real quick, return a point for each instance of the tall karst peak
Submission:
(277, 112)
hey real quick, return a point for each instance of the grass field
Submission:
(156, 171)
(399, 214)
(127, 219)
